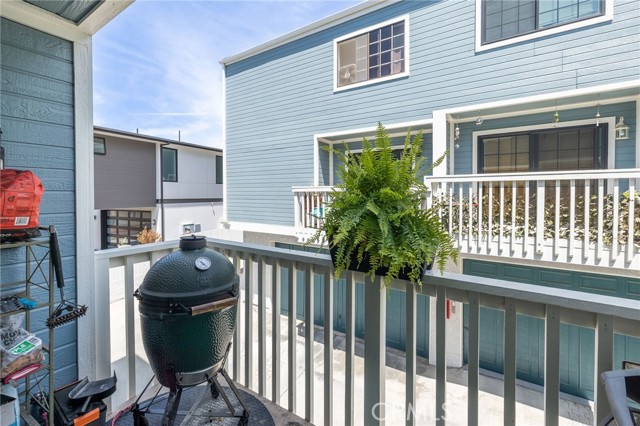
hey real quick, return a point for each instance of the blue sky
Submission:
(156, 65)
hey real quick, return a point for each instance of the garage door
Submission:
(577, 344)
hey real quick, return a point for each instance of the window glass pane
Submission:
(398, 28)
(385, 32)
(99, 146)
(385, 70)
(352, 60)
(491, 146)
(374, 72)
(169, 165)
(385, 45)
(385, 58)
(373, 60)
(219, 173)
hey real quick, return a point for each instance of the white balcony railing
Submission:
(262, 361)
(583, 218)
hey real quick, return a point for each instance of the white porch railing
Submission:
(309, 208)
(259, 362)
(585, 217)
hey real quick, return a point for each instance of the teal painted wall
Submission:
(37, 120)
(276, 101)
(577, 344)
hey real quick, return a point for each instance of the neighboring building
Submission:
(172, 187)
(526, 97)
(47, 127)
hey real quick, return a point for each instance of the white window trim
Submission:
(607, 17)
(611, 137)
(336, 41)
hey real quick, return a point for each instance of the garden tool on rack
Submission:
(66, 311)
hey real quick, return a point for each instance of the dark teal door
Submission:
(577, 344)
(396, 312)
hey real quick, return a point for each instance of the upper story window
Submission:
(510, 21)
(169, 165)
(219, 173)
(99, 146)
(373, 54)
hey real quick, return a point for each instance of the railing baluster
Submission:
(556, 229)
(572, 216)
(514, 208)
(603, 362)
(600, 218)
(474, 359)
(587, 209)
(551, 366)
(510, 319)
(248, 326)
(480, 202)
(292, 320)
(375, 336)
(308, 344)
(410, 378)
(490, 232)
(349, 402)
(470, 212)
(102, 316)
(615, 224)
(501, 234)
(262, 330)
(276, 294)
(237, 332)
(540, 216)
(130, 325)
(526, 218)
(460, 216)
(328, 347)
(632, 202)
(451, 209)
(441, 355)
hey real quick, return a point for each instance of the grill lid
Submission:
(187, 278)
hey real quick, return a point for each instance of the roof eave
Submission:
(322, 24)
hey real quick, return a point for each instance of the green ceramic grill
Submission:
(188, 307)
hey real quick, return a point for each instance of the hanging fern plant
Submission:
(375, 217)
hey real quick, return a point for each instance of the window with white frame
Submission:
(373, 54)
(505, 19)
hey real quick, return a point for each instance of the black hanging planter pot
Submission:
(365, 265)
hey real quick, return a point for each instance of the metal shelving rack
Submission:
(38, 275)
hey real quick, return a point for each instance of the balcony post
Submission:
(374, 351)
(439, 137)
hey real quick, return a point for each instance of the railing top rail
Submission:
(608, 305)
(311, 188)
(137, 249)
(273, 252)
(529, 176)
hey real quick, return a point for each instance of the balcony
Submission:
(318, 375)
(536, 216)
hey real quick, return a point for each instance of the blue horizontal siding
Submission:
(37, 116)
(277, 100)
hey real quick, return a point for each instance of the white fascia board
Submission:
(328, 137)
(34, 17)
(631, 84)
(328, 22)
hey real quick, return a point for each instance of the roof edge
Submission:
(105, 131)
(315, 27)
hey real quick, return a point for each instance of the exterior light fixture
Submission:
(622, 130)
(479, 121)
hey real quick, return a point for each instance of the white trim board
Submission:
(34, 17)
(611, 137)
(405, 73)
(263, 228)
(328, 22)
(606, 17)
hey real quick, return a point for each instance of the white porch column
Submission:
(439, 145)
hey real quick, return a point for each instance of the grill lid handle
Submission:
(213, 306)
